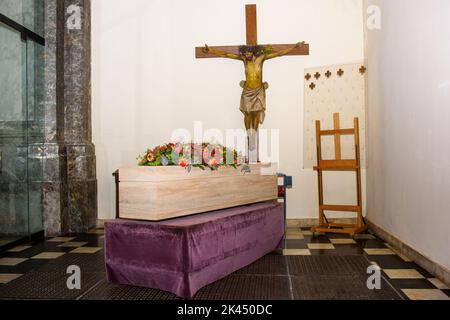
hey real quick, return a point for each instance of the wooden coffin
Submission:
(160, 193)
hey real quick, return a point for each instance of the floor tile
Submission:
(60, 239)
(5, 241)
(403, 274)
(19, 249)
(109, 291)
(343, 241)
(294, 237)
(8, 277)
(412, 284)
(11, 261)
(91, 239)
(24, 267)
(86, 250)
(422, 271)
(372, 244)
(296, 252)
(381, 251)
(405, 258)
(321, 246)
(327, 265)
(319, 241)
(43, 246)
(91, 263)
(338, 236)
(341, 250)
(425, 294)
(72, 244)
(319, 234)
(438, 283)
(243, 287)
(295, 244)
(339, 287)
(48, 255)
(294, 230)
(268, 265)
(48, 285)
(364, 236)
(392, 262)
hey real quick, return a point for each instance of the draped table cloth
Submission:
(185, 254)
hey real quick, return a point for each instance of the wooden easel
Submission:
(339, 164)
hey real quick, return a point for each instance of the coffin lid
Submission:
(171, 173)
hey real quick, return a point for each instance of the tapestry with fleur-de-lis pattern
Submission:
(334, 89)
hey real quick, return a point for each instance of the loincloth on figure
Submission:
(254, 100)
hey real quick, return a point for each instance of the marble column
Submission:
(69, 182)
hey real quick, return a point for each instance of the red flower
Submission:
(213, 162)
(183, 162)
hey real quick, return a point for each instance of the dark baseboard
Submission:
(431, 266)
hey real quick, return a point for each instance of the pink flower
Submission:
(179, 149)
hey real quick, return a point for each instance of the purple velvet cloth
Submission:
(185, 254)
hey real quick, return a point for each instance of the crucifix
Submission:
(253, 99)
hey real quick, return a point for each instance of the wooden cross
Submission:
(252, 118)
(252, 39)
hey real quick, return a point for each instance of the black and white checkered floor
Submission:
(319, 267)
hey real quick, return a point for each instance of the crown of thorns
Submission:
(255, 50)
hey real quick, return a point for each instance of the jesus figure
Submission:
(253, 100)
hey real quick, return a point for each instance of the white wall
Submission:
(147, 82)
(408, 122)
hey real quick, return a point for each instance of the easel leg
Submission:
(360, 222)
(321, 218)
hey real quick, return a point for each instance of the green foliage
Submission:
(192, 155)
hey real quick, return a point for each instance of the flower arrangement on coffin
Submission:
(192, 155)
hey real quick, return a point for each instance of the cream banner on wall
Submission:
(328, 90)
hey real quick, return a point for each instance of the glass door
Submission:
(21, 119)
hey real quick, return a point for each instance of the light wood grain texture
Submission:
(171, 173)
(341, 132)
(335, 207)
(251, 24)
(337, 165)
(303, 50)
(337, 137)
(159, 193)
